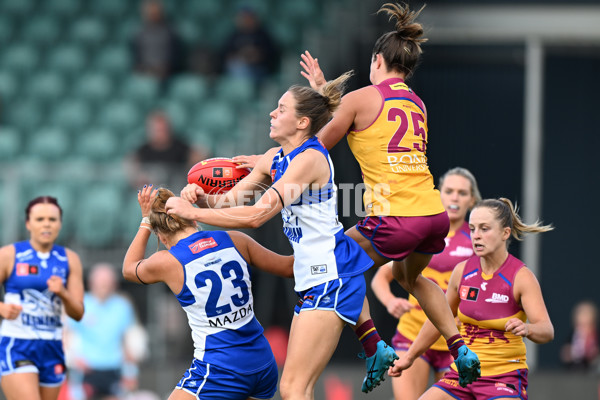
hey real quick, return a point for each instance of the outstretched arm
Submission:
(257, 181)
(262, 257)
(304, 170)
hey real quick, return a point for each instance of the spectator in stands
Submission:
(164, 157)
(250, 51)
(101, 365)
(581, 351)
(156, 47)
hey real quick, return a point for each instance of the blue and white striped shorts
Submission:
(210, 382)
(345, 296)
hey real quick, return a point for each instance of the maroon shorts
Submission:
(396, 237)
(439, 360)
(511, 384)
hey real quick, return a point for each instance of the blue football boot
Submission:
(468, 366)
(377, 365)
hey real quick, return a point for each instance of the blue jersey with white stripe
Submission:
(217, 298)
(322, 252)
(26, 286)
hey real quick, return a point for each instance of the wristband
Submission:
(146, 224)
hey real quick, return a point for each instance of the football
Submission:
(216, 175)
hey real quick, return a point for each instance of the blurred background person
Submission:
(250, 51)
(164, 157)
(459, 193)
(156, 47)
(39, 277)
(101, 366)
(499, 303)
(581, 350)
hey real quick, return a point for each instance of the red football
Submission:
(216, 175)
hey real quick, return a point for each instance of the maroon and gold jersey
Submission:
(486, 303)
(458, 248)
(391, 154)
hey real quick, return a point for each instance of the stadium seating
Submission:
(216, 117)
(190, 30)
(98, 144)
(89, 32)
(62, 9)
(49, 144)
(140, 89)
(16, 8)
(205, 10)
(236, 91)
(112, 10)
(10, 143)
(67, 59)
(72, 115)
(115, 61)
(9, 86)
(98, 228)
(41, 30)
(46, 86)
(72, 104)
(93, 87)
(20, 59)
(189, 89)
(25, 115)
(121, 116)
(6, 29)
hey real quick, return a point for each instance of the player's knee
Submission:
(291, 389)
(285, 389)
(405, 280)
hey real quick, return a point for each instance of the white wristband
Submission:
(146, 220)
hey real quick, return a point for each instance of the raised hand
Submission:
(312, 72)
(145, 197)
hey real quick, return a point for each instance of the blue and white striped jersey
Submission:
(322, 251)
(26, 286)
(217, 298)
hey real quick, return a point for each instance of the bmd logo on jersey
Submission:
(498, 298)
(202, 244)
(468, 293)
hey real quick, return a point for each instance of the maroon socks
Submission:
(368, 336)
